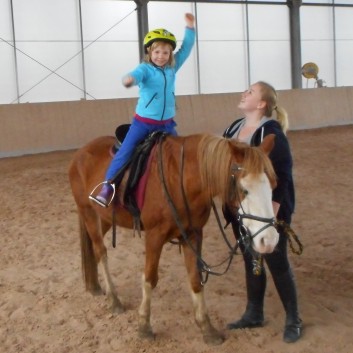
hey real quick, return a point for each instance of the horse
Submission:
(195, 169)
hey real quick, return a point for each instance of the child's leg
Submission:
(135, 135)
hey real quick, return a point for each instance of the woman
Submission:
(259, 103)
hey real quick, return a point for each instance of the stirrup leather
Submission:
(99, 202)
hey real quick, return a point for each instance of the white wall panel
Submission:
(222, 48)
(8, 90)
(49, 32)
(344, 23)
(316, 23)
(317, 35)
(344, 63)
(5, 20)
(172, 17)
(106, 64)
(268, 22)
(52, 87)
(116, 17)
(46, 20)
(226, 70)
(344, 45)
(269, 45)
(111, 41)
(321, 53)
(270, 62)
(225, 22)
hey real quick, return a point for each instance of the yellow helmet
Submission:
(159, 34)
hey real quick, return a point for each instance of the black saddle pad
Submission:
(137, 165)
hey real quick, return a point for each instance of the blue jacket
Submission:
(282, 162)
(157, 85)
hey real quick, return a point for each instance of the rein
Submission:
(203, 266)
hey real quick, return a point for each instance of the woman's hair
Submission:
(269, 95)
(154, 45)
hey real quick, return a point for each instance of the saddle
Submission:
(137, 166)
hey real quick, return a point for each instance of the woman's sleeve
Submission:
(281, 158)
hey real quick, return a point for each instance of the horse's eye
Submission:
(245, 192)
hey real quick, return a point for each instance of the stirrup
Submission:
(99, 202)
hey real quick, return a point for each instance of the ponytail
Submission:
(269, 95)
(282, 118)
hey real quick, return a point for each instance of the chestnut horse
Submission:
(196, 169)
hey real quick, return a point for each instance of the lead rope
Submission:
(289, 232)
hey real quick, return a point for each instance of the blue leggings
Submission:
(138, 132)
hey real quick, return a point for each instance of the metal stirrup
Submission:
(94, 198)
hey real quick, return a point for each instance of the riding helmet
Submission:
(159, 34)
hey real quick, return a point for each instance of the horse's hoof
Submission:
(146, 333)
(214, 339)
(96, 291)
(117, 307)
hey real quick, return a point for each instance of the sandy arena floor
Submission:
(45, 309)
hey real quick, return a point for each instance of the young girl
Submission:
(155, 108)
(259, 104)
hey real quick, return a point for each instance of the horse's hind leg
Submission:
(95, 230)
(88, 262)
(210, 334)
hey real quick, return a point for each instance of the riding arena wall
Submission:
(30, 128)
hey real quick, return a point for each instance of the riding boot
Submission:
(105, 196)
(287, 292)
(253, 315)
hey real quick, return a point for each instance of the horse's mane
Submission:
(216, 154)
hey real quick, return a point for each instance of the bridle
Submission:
(246, 236)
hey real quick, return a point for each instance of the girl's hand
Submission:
(128, 81)
(190, 20)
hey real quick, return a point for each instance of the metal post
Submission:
(334, 43)
(295, 43)
(248, 65)
(197, 53)
(142, 23)
(82, 53)
(15, 52)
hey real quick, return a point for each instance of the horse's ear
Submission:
(268, 143)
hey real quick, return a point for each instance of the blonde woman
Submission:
(262, 116)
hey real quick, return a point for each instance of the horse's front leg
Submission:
(149, 281)
(210, 334)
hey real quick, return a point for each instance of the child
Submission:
(155, 108)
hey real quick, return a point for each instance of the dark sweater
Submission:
(282, 162)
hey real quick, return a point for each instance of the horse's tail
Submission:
(88, 261)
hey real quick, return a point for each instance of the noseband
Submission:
(245, 234)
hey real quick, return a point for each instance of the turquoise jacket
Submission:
(157, 85)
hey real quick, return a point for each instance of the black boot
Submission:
(286, 289)
(254, 314)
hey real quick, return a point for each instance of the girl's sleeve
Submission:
(183, 53)
(139, 74)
